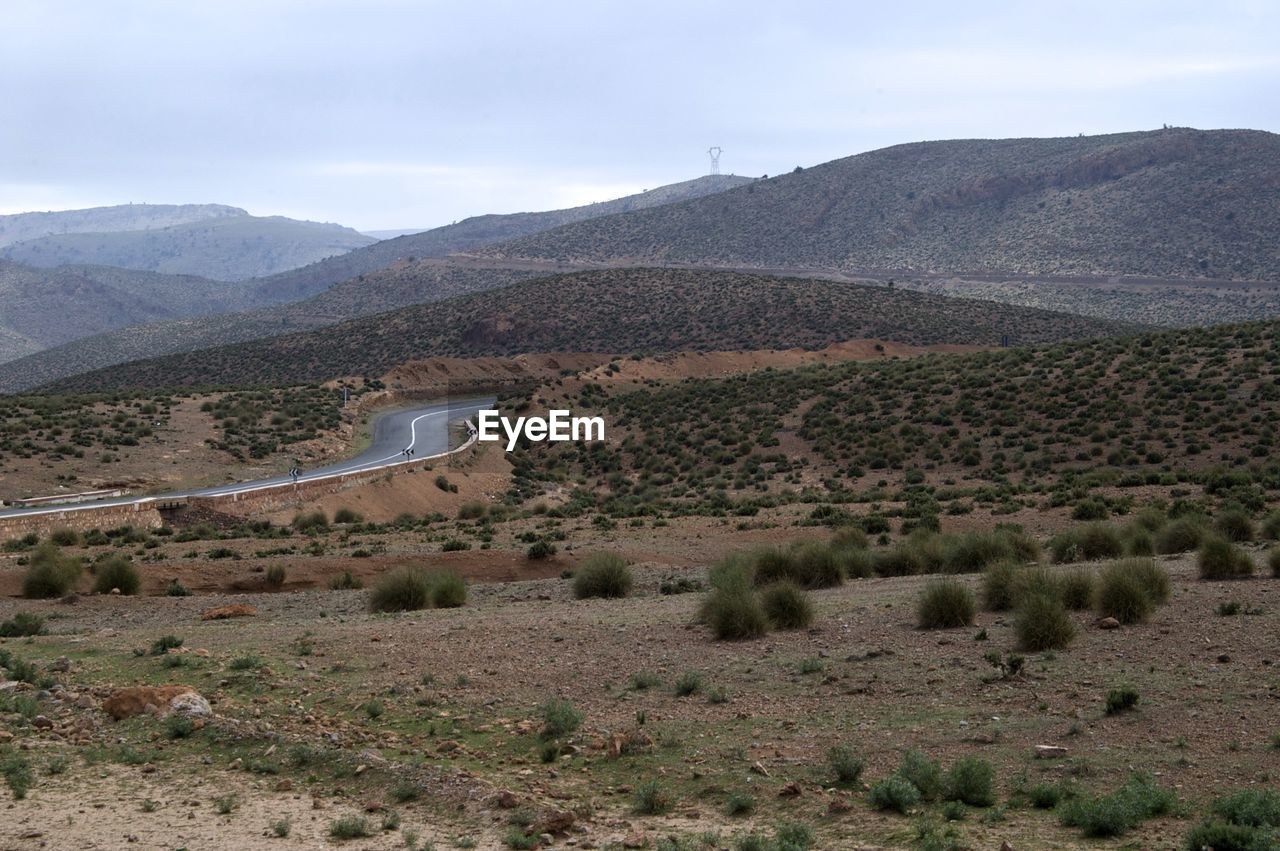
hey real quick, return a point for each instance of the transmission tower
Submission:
(714, 153)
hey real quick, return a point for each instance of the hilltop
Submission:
(48, 307)
(1167, 203)
(475, 232)
(616, 311)
(124, 217)
(224, 248)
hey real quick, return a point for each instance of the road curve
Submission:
(424, 429)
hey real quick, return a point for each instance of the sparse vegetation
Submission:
(944, 604)
(602, 575)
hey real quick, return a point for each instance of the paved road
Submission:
(424, 429)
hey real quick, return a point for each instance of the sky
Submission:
(384, 114)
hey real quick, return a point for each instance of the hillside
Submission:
(472, 233)
(226, 248)
(386, 289)
(618, 311)
(1167, 203)
(124, 217)
(48, 307)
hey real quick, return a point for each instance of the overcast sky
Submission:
(390, 113)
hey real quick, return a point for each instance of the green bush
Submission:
(1273, 560)
(310, 523)
(1251, 807)
(1271, 526)
(345, 581)
(1182, 535)
(351, 827)
(786, 605)
(688, 683)
(472, 510)
(448, 590)
(893, 793)
(1129, 590)
(845, 764)
(116, 572)
(734, 614)
(17, 772)
(972, 781)
(945, 603)
(1121, 699)
(602, 575)
(346, 515)
(1043, 624)
(901, 560)
(845, 537)
(540, 550)
(1235, 524)
(50, 573)
(275, 576)
(1220, 559)
(973, 551)
(21, 625)
(65, 537)
(923, 773)
(1140, 798)
(999, 583)
(402, 590)
(652, 799)
(559, 718)
(815, 565)
(1089, 542)
(1213, 835)
(1076, 587)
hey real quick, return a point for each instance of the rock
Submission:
(1050, 751)
(6, 736)
(1005, 846)
(447, 746)
(1224, 658)
(115, 592)
(192, 705)
(61, 665)
(237, 610)
(790, 790)
(636, 839)
(757, 768)
(1108, 623)
(555, 821)
(285, 785)
(506, 800)
(839, 805)
(135, 700)
(41, 722)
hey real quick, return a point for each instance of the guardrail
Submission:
(65, 499)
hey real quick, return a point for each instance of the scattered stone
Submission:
(839, 805)
(61, 665)
(192, 705)
(1108, 623)
(1050, 751)
(636, 839)
(42, 722)
(757, 768)
(790, 790)
(506, 800)
(6, 736)
(555, 821)
(237, 610)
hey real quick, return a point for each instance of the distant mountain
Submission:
(474, 232)
(1165, 203)
(386, 289)
(223, 248)
(616, 311)
(23, 226)
(48, 307)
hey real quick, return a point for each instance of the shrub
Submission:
(559, 718)
(1076, 587)
(1090, 509)
(652, 799)
(1044, 796)
(116, 573)
(739, 804)
(1271, 526)
(345, 581)
(1220, 559)
(923, 773)
(448, 590)
(540, 550)
(786, 605)
(734, 614)
(22, 624)
(945, 603)
(1138, 799)
(1181, 535)
(50, 573)
(17, 772)
(1043, 624)
(65, 537)
(1089, 542)
(690, 682)
(901, 560)
(893, 793)
(472, 510)
(846, 765)
(1121, 699)
(1036, 581)
(275, 576)
(1153, 578)
(1250, 807)
(346, 515)
(998, 586)
(1122, 594)
(971, 781)
(401, 590)
(1213, 835)
(351, 827)
(602, 575)
(312, 522)
(1138, 541)
(164, 644)
(815, 566)
(973, 551)
(176, 589)
(845, 537)
(1273, 560)
(1234, 524)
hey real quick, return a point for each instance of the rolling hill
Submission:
(224, 248)
(19, 227)
(617, 311)
(40, 308)
(474, 232)
(1167, 203)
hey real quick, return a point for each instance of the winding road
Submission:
(424, 429)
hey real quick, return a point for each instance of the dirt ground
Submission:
(457, 694)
